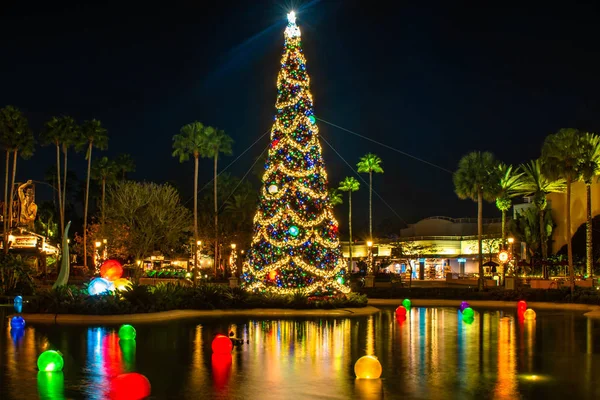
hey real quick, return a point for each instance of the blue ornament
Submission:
(18, 304)
(17, 322)
(99, 286)
(312, 119)
(294, 231)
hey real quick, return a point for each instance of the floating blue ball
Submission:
(17, 322)
(99, 286)
(18, 302)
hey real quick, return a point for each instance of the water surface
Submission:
(430, 355)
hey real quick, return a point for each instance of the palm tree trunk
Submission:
(12, 188)
(195, 245)
(103, 204)
(60, 207)
(85, 207)
(5, 207)
(350, 228)
(216, 216)
(504, 229)
(480, 235)
(543, 239)
(64, 188)
(569, 236)
(589, 262)
(371, 205)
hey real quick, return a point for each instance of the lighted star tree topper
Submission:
(295, 248)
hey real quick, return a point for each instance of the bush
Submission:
(169, 296)
(15, 276)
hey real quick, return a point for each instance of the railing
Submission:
(466, 220)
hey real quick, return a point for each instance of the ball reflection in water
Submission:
(367, 367)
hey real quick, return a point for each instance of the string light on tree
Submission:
(295, 247)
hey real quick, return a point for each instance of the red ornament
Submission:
(132, 386)
(111, 270)
(274, 143)
(272, 275)
(521, 306)
(401, 311)
(221, 344)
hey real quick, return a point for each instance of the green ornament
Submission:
(406, 304)
(127, 332)
(312, 119)
(50, 361)
(294, 231)
(468, 313)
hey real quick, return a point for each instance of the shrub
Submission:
(169, 296)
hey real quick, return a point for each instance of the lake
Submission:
(432, 354)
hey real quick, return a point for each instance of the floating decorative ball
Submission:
(122, 284)
(50, 361)
(127, 332)
(294, 231)
(401, 311)
(131, 386)
(522, 306)
(111, 270)
(468, 320)
(463, 305)
(18, 302)
(367, 367)
(529, 314)
(273, 189)
(406, 303)
(98, 286)
(468, 313)
(221, 344)
(17, 322)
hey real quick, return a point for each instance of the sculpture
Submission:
(28, 206)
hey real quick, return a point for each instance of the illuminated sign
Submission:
(462, 260)
(24, 242)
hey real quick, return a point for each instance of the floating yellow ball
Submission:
(529, 314)
(367, 367)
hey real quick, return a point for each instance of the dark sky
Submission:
(435, 81)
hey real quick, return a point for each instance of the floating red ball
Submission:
(111, 270)
(221, 344)
(132, 386)
(521, 306)
(401, 311)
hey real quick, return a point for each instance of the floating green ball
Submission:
(468, 313)
(127, 332)
(406, 303)
(50, 361)
(468, 320)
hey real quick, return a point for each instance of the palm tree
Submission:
(125, 164)
(15, 137)
(61, 132)
(368, 164)
(561, 158)
(349, 184)
(214, 142)
(590, 169)
(105, 172)
(190, 142)
(335, 197)
(92, 135)
(538, 184)
(510, 185)
(477, 178)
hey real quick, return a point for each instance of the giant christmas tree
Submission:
(295, 248)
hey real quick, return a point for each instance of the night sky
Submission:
(433, 81)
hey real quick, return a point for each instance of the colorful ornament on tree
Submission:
(295, 232)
